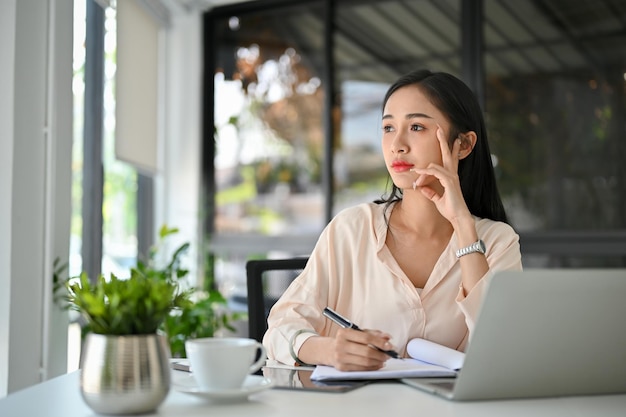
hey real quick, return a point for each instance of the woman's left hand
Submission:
(449, 201)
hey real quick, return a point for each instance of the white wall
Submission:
(59, 179)
(177, 185)
(7, 52)
(36, 117)
(136, 92)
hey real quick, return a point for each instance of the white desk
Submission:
(60, 397)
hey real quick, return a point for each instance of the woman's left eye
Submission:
(417, 128)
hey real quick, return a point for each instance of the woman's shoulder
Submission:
(494, 229)
(360, 209)
(358, 215)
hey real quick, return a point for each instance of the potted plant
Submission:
(203, 313)
(128, 326)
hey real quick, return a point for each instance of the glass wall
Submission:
(555, 103)
(268, 135)
(268, 123)
(298, 88)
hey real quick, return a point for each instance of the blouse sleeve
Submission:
(503, 253)
(299, 309)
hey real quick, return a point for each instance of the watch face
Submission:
(481, 246)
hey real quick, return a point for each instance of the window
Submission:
(267, 129)
(104, 215)
(268, 123)
(556, 114)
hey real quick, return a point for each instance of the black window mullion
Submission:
(329, 104)
(207, 180)
(145, 215)
(472, 61)
(93, 170)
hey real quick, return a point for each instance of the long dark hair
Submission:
(459, 104)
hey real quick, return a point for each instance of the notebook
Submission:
(426, 359)
(544, 333)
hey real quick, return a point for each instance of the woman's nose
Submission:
(399, 145)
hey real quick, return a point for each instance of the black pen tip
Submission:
(393, 354)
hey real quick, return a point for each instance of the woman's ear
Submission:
(468, 141)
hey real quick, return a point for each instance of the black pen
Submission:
(347, 324)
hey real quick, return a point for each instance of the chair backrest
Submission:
(260, 300)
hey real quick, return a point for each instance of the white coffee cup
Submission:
(222, 363)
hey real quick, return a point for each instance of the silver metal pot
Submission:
(124, 374)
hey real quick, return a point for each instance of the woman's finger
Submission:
(355, 350)
(448, 156)
(433, 170)
(443, 145)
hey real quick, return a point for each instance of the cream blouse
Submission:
(352, 271)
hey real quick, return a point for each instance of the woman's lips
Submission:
(401, 166)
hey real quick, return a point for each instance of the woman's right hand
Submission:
(353, 350)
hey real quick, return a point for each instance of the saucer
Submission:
(252, 384)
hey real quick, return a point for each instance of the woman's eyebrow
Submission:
(417, 115)
(409, 116)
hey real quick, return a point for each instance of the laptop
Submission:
(544, 333)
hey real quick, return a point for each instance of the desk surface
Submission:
(61, 397)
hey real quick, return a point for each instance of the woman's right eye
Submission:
(388, 128)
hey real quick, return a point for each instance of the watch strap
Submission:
(478, 246)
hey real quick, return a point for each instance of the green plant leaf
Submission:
(152, 298)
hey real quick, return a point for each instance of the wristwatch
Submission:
(478, 246)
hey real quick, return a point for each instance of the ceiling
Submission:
(377, 40)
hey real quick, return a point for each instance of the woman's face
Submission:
(410, 134)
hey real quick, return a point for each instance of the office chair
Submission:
(259, 300)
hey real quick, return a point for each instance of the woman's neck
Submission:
(419, 216)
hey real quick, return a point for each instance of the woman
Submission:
(417, 263)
